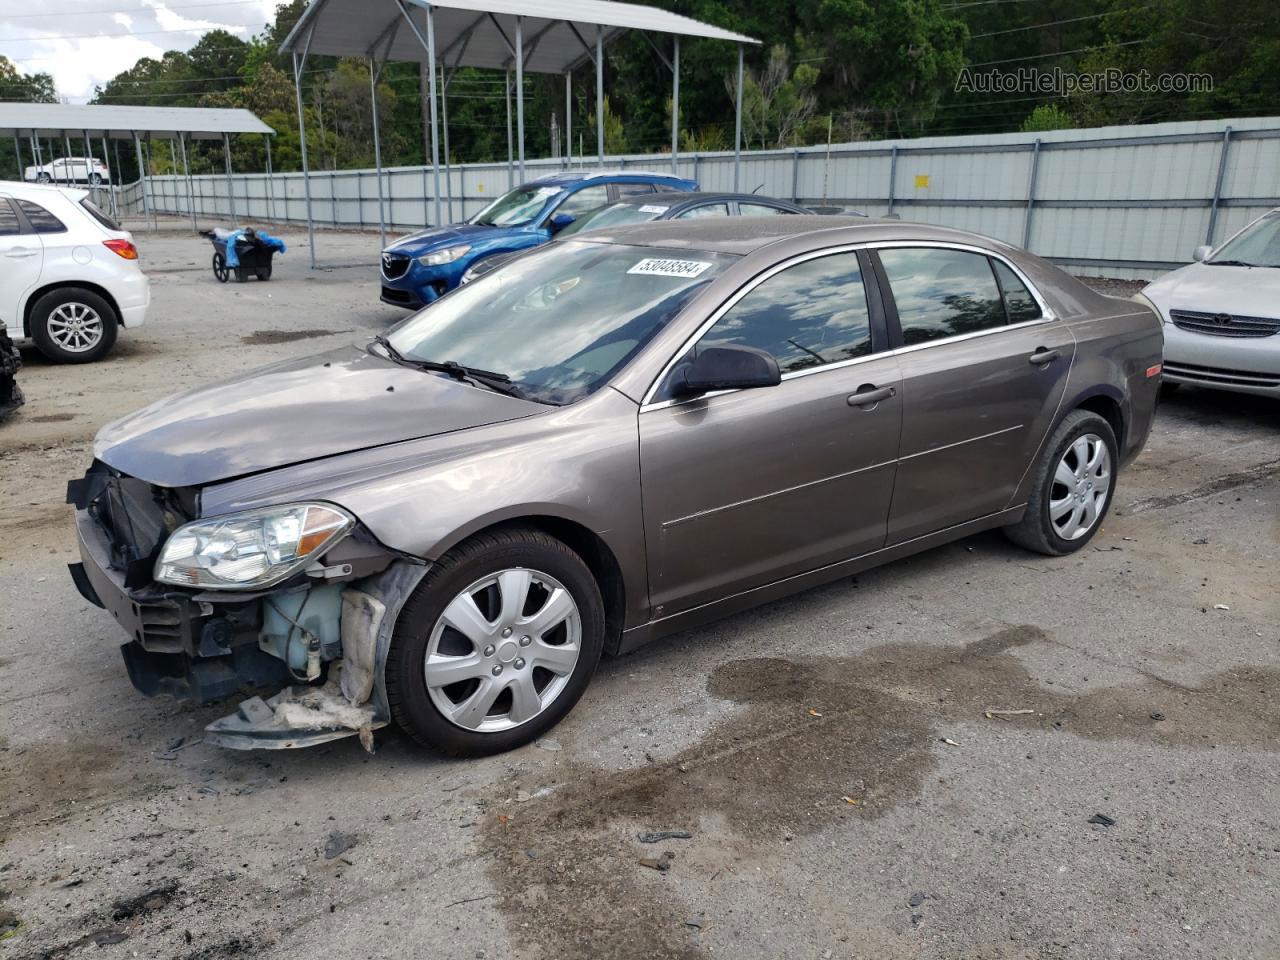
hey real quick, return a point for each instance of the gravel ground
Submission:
(846, 794)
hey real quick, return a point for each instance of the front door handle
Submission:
(1043, 356)
(869, 395)
(18, 253)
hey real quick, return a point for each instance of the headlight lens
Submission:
(447, 255)
(248, 550)
(1146, 302)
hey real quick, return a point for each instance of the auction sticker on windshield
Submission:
(670, 268)
(653, 208)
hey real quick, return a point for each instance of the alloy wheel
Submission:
(503, 650)
(75, 327)
(1081, 485)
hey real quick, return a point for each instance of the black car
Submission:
(10, 362)
(655, 206)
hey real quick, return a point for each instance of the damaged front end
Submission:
(260, 600)
(10, 363)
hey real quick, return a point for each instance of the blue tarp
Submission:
(264, 239)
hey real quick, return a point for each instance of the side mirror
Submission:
(560, 221)
(726, 367)
(1202, 252)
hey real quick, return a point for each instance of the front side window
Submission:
(561, 319)
(942, 293)
(588, 198)
(516, 207)
(41, 220)
(705, 210)
(1257, 246)
(808, 315)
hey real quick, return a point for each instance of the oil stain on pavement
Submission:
(816, 742)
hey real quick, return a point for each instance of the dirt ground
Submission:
(848, 788)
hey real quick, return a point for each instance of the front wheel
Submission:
(43, 178)
(496, 645)
(1072, 484)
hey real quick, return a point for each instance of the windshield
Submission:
(1257, 246)
(615, 215)
(516, 207)
(560, 320)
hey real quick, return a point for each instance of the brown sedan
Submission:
(607, 440)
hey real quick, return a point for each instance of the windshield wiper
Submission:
(497, 382)
(1232, 263)
(392, 352)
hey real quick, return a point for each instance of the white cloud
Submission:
(123, 19)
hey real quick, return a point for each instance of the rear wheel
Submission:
(220, 270)
(95, 178)
(43, 178)
(496, 645)
(1072, 485)
(71, 325)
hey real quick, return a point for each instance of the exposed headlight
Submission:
(1146, 302)
(253, 549)
(447, 255)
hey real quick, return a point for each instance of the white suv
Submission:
(71, 170)
(69, 275)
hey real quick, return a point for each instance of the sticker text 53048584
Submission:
(659, 267)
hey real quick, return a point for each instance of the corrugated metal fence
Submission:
(1112, 201)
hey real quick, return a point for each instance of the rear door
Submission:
(746, 487)
(21, 258)
(984, 367)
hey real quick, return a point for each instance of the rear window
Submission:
(99, 215)
(41, 220)
(9, 224)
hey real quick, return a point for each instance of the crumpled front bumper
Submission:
(208, 646)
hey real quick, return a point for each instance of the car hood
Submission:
(416, 244)
(1245, 291)
(290, 412)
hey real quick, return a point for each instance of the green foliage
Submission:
(25, 88)
(1047, 116)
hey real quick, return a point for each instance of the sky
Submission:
(87, 42)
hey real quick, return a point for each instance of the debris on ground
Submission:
(1102, 820)
(657, 836)
(814, 713)
(9, 924)
(523, 796)
(338, 844)
(551, 746)
(1157, 716)
(662, 864)
(1201, 541)
(949, 743)
(917, 898)
(1221, 606)
(991, 713)
(849, 800)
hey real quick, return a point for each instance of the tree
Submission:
(1047, 116)
(777, 102)
(25, 88)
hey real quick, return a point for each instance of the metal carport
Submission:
(539, 36)
(86, 122)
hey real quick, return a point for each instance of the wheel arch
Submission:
(88, 285)
(1107, 406)
(587, 544)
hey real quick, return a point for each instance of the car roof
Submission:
(14, 187)
(674, 197)
(743, 235)
(566, 178)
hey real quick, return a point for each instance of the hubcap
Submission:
(503, 650)
(75, 327)
(1081, 485)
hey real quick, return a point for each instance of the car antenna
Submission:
(757, 189)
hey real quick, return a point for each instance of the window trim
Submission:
(23, 229)
(867, 257)
(874, 311)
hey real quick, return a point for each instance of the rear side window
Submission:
(98, 214)
(634, 189)
(576, 204)
(9, 223)
(1018, 301)
(942, 293)
(706, 210)
(808, 315)
(41, 220)
(759, 210)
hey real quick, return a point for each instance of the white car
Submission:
(1222, 313)
(69, 275)
(70, 170)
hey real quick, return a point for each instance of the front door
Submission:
(751, 486)
(21, 257)
(984, 367)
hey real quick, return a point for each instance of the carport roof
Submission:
(479, 33)
(52, 119)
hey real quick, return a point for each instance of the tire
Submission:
(73, 325)
(264, 273)
(95, 179)
(1067, 507)
(220, 269)
(495, 667)
(43, 178)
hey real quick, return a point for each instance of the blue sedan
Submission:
(422, 267)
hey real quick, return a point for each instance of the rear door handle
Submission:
(1043, 356)
(869, 395)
